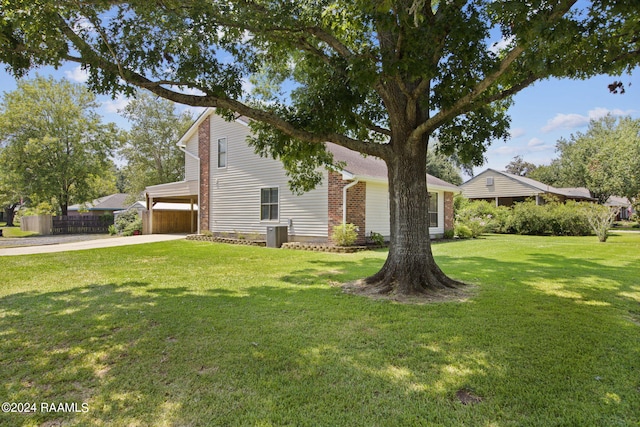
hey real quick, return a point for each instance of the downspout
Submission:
(197, 159)
(344, 201)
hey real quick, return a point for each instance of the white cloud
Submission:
(116, 105)
(506, 150)
(502, 44)
(536, 144)
(77, 74)
(517, 132)
(247, 86)
(572, 121)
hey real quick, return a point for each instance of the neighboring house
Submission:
(505, 189)
(240, 192)
(622, 203)
(106, 205)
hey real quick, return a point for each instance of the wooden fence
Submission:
(82, 224)
(166, 222)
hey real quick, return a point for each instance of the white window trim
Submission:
(226, 145)
(270, 221)
(437, 212)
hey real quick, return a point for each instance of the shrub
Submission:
(112, 230)
(600, 219)
(568, 219)
(449, 234)
(207, 233)
(345, 234)
(482, 216)
(134, 227)
(124, 220)
(529, 218)
(462, 231)
(376, 238)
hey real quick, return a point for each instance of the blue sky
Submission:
(541, 114)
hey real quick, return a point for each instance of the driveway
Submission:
(50, 244)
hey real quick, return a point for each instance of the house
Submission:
(625, 208)
(106, 205)
(238, 191)
(505, 189)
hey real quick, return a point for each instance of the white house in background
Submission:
(238, 191)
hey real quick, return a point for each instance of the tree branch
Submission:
(88, 55)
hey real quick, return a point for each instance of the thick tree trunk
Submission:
(410, 268)
(9, 214)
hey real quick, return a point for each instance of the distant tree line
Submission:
(55, 150)
(605, 159)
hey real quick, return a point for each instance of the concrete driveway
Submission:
(50, 244)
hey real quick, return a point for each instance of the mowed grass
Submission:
(15, 231)
(190, 333)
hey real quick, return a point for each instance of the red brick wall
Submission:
(204, 152)
(356, 205)
(448, 211)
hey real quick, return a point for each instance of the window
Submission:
(433, 209)
(269, 204)
(222, 152)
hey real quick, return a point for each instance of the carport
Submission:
(172, 220)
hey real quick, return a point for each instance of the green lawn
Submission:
(15, 231)
(191, 333)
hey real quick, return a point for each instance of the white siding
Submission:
(377, 205)
(503, 186)
(191, 164)
(235, 189)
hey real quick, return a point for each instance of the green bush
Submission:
(449, 234)
(462, 231)
(124, 221)
(529, 218)
(555, 218)
(483, 217)
(112, 230)
(345, 234)
(568, 219)
(376, 238)
(132, 228)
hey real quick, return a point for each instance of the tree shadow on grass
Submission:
(140, 354)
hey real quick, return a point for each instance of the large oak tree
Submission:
(378, 77)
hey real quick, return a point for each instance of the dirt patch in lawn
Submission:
(460, 294)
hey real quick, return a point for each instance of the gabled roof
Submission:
(358, 166)
(572, 193)
(106, 203)
(371, 168)
(196, 124)
(618, 201)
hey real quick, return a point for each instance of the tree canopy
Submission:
(518, 166)
(605, 159)
(53, 143)
(443, 167)
(380, 78)
(149, 147)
